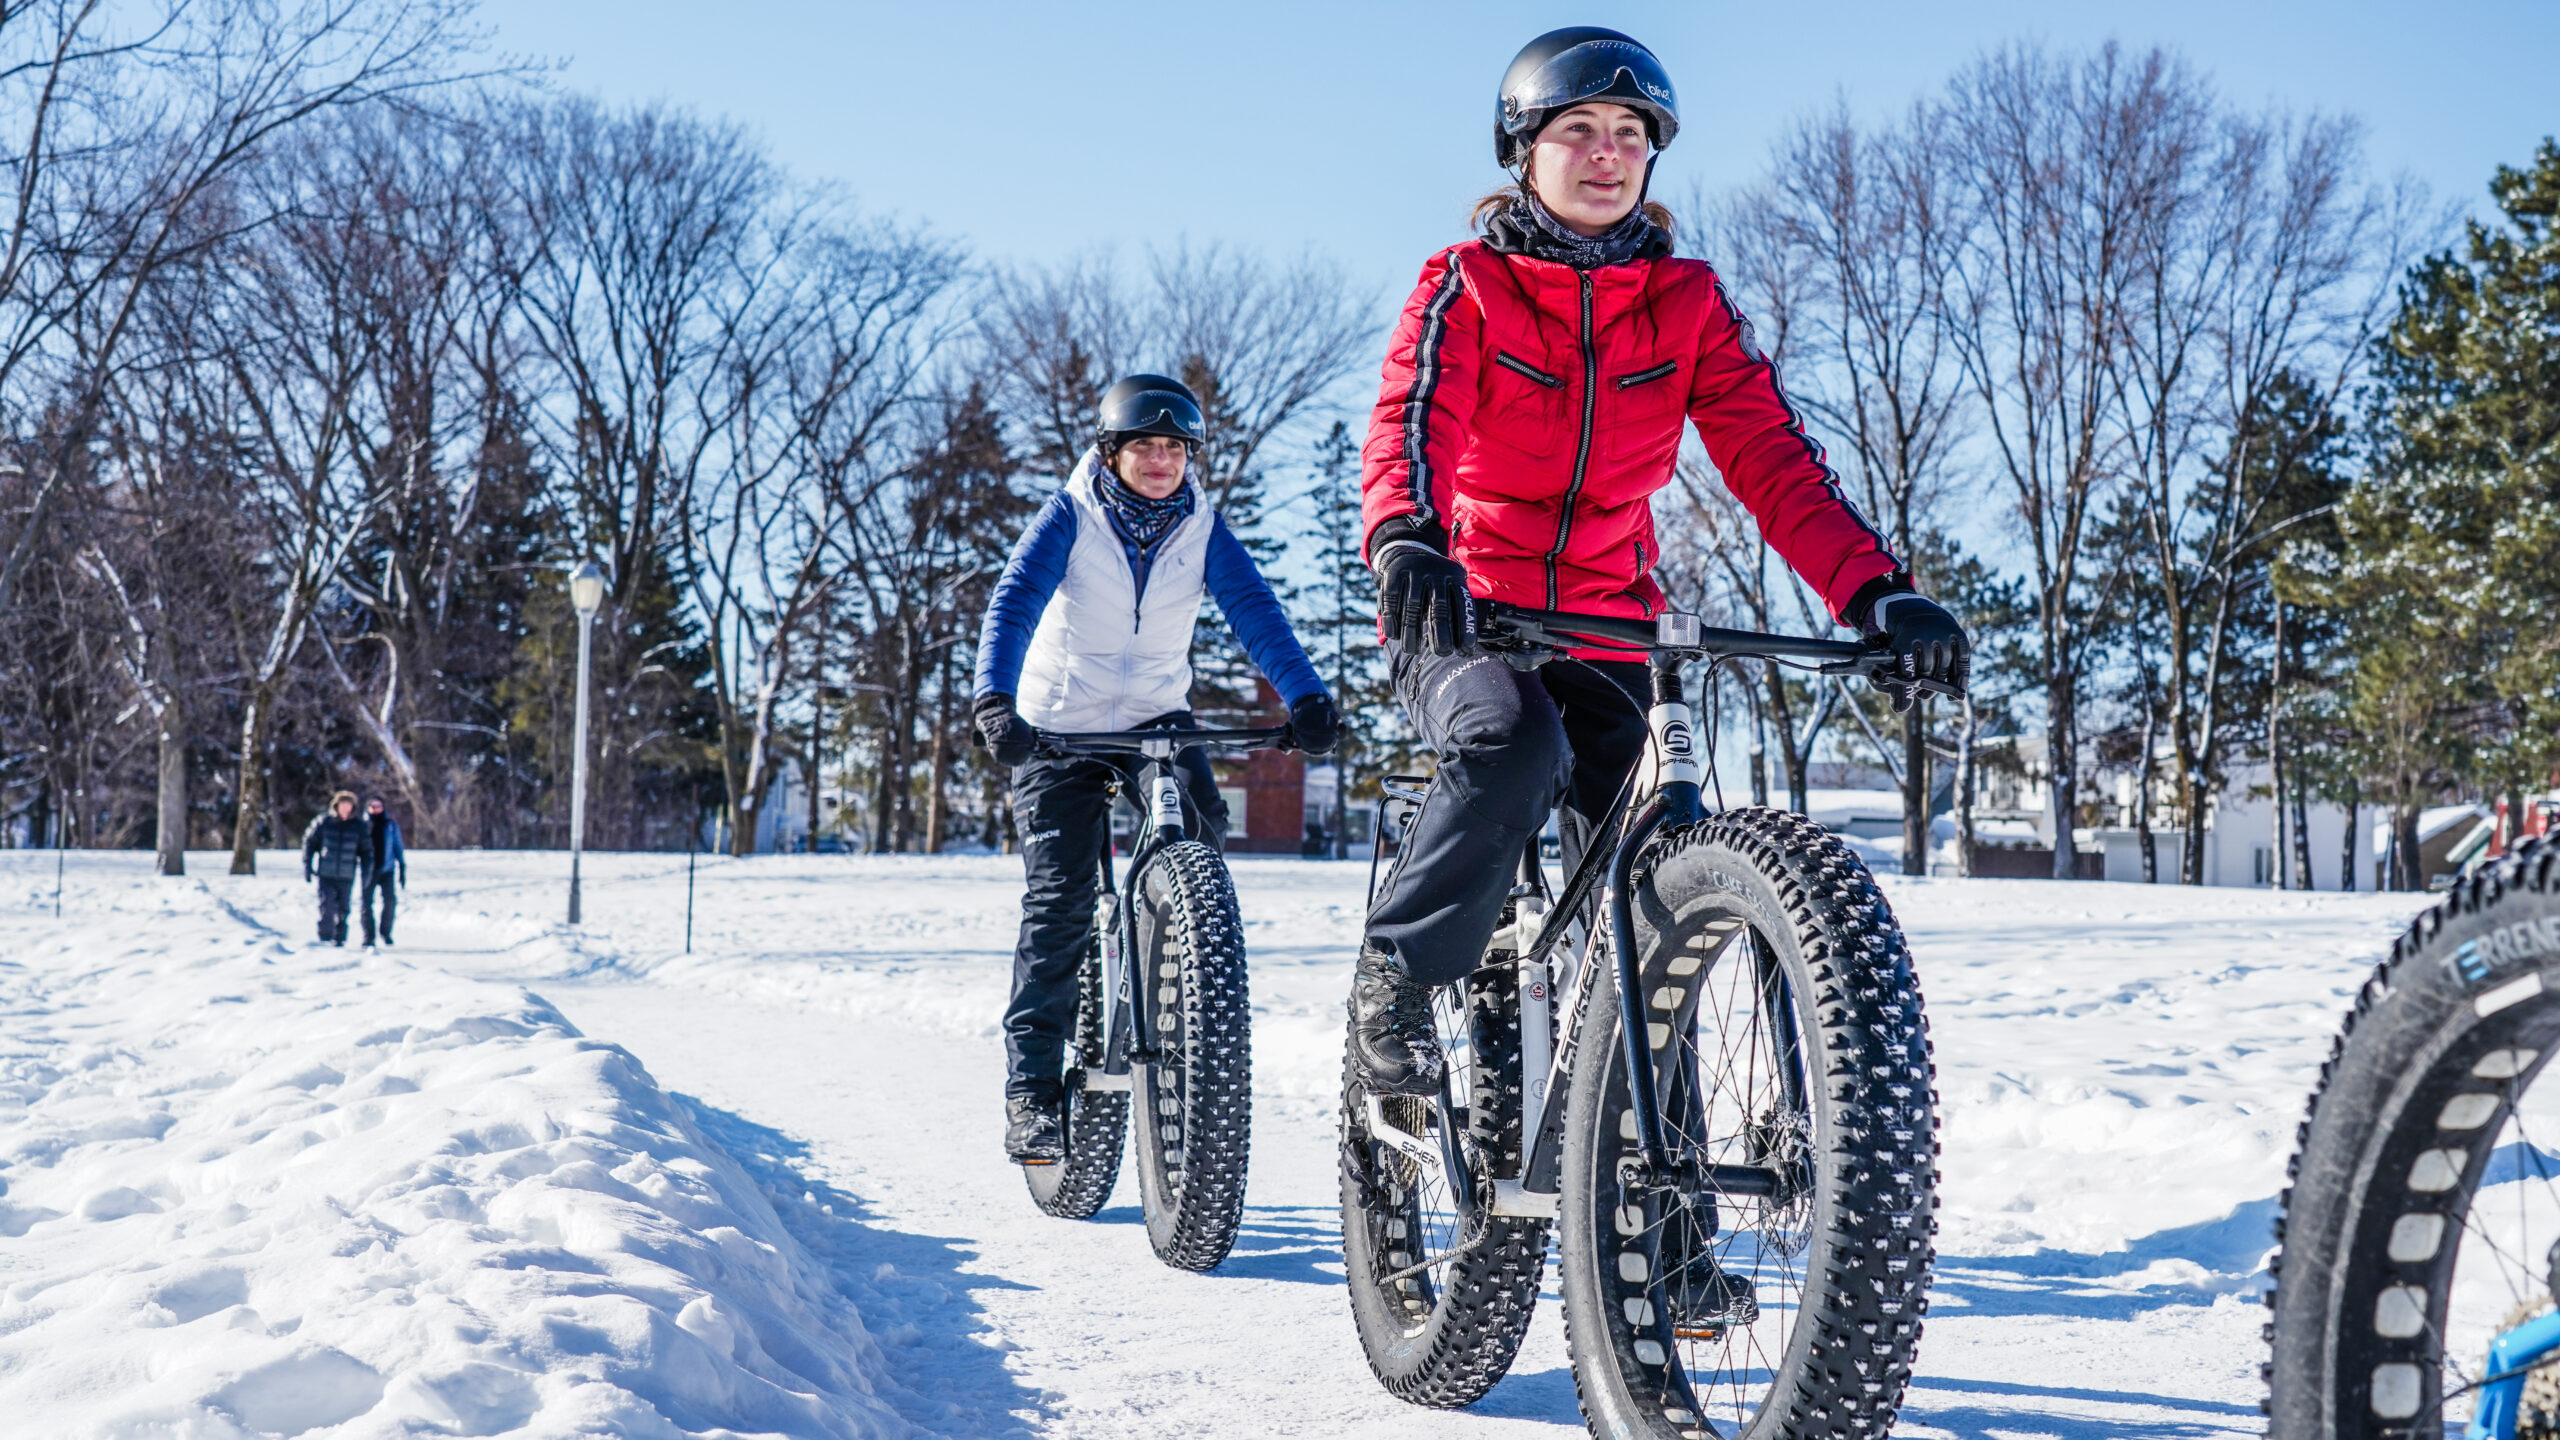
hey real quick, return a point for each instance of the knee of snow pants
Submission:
(1503, 758)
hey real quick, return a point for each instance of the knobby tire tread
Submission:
(1097, 1121)
(1848, 1359)
(1193, 1225)
(2468, 987)
(1477, 1317)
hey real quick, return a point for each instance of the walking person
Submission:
(389, 864)
(1534, 397)
(1089, 629)
(336, 850)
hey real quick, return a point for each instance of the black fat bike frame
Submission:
(1664, 794)
(1163, 819)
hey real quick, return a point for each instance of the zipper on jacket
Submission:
(1582, 446)
(1518, 366)
(1626, 382)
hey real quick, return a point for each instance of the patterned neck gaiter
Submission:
(1527, 227)
(1140, 521)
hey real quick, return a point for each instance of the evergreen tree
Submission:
(1340, 627)
(2441, 571)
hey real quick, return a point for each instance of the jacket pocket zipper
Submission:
(1518, 366)
(1629, 382)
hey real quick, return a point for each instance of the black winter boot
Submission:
(1032, 1132)
(1392, 1042)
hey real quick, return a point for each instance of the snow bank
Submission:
(254, 1188)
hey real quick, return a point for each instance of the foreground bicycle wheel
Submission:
(1785, 1030)
(2425, 1198)
(1195, 1103)
(1441, 1303)
(1097, 1121)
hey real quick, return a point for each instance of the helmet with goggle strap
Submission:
(1149, 405)
(1573, 66)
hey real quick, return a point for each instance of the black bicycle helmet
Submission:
(1149, 405)
(1564, 68)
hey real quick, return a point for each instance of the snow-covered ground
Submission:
(255, 1186)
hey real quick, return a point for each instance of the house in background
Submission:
(2013, 790)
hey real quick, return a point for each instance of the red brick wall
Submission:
(1275, 786)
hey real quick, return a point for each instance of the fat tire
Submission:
(2471, 985)
(1097, 1121)
(1195, 1115)
(1872, 1150)
(1446, 1346)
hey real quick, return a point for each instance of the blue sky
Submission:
(1363, 130)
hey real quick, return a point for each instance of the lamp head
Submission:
(586, 588)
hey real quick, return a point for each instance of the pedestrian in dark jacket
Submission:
(335, 850)
(390, 863)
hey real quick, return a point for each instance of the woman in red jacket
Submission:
(1532, 403)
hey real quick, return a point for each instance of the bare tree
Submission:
(821, 366)
(126, 126)
(1870, 229)
(645, 232)
(2058, 164)
(2257, 265)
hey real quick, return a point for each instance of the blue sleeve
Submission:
(1254, 614)
(393, 852)
(1031, 576)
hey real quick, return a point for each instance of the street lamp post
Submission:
(586, 592)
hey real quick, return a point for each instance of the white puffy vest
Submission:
(1100, 659)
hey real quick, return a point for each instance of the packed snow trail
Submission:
(2120, 1071)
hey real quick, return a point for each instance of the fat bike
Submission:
(1701, 1067)
(2420, 1230)
(1162, 1022)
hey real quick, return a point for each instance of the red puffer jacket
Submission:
(1529, 411)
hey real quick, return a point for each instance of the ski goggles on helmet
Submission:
(1604, 67)
(1153, 412)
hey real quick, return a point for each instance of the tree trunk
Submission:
(938, 805)
(173, 787)
(2276, 776)
(253, 778)
(1915, 787)
(2065, 766)
(2347, 847)
(2408, 865)
(2301, 857)
(1759, 748)
(1964, 792)
(2149, 777)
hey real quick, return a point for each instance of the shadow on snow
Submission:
(914, 1298)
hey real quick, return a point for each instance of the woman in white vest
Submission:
(1090, 629)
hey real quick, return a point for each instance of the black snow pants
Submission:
(1060, 806)
(383, 885)
(1510, 742)
(334, 898)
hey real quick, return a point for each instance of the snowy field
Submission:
(511, 1178)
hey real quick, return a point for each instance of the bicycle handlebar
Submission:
(1135, 741)
(1502, 626)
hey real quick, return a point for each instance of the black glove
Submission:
(1315, 724)
(1924, 638)
(1009, 737)
(306, 875)
(1422, 599)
